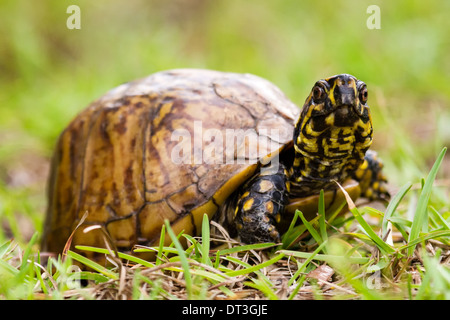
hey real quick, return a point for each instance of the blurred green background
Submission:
(49, 73)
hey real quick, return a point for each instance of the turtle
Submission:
(182, 143)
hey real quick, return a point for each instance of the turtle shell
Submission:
(171, 146)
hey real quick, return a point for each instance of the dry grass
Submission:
(346, 258)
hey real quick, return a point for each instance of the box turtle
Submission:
(181, 143)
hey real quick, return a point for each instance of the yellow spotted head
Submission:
(334, 129)
(336, 92)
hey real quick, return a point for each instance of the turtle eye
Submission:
(318, 93)
(363, 94)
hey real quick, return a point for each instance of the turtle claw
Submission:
(258, 231)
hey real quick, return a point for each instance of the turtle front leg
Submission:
(260, 206)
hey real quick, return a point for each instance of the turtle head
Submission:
(339, 94)
(334, 130)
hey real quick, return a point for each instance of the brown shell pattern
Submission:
(115, 162)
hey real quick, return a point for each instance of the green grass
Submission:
(362, 264)
(49, 73)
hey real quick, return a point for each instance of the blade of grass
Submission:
(217, 260)
(166, 250)
(332, 215)
(255, 267)
(297, 287)
(325, 257)
(298, 232)
(216, 279)
(420, 220)
(439, 217)
(205, 241)
(122, 255)
(5, 266)
(161, 245)
(294, 232)
(183, 259)
(383, 246)
(155, 285)
(262, 286)
(243, 264)
(194, 247)
(209, 275)
(322, 223)
(401, 221)
(425, 237)
(37, 272)
(5, 248)
(309, 257)
(393, 204)
(27, 251)
(247, 247)
(288, 234)
(93, 265)
(311, 229)
(361, 236)
(98, 278)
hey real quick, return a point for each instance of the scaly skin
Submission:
(331, 138)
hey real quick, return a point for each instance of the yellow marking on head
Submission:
(310, 131)
(329, 120)
(248, 204)
(331, 94)
(307, 103)
(351, 82)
